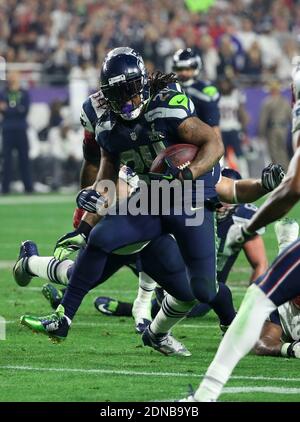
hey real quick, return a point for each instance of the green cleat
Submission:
(21, 272)
(53, 295)
(54, 325)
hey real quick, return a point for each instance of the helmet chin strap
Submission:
(133, 114)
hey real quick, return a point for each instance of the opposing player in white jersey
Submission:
(277, 286)
(233, 121)
(280, 334)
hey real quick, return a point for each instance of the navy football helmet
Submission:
(187, 59)
(123, 77)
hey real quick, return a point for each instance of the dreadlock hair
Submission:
(159, 80)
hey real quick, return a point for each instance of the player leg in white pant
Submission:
(279, 284)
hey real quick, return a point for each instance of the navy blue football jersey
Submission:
(240, 214)
(137, 143)
(205, 97)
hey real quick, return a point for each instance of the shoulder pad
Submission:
(92, 109)
(211, 91)
(204, 92)
(104, 124)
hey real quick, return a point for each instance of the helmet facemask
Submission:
(127, 97)
(186, 60)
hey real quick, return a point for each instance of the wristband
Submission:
(247, 233)
(235, 200)
(84, 228)
(187, 174)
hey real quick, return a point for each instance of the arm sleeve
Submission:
(91, 150)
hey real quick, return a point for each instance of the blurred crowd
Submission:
(248, 38)
(248, 42)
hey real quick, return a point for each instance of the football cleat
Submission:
(106, 305)
(164, 343)
(287, 231)
(190, 398)
(54, 325)
(141, 326)
(52, 294)
(21, 273)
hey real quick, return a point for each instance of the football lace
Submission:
(184, 165)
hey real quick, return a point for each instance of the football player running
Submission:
(141, 120)
(92, 110)
(187, 65)
(277, 286)
(226, 215)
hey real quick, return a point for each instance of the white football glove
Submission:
(130, 177)
(236, 237)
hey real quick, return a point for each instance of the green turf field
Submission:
(103, 359)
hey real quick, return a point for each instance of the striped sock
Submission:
(50, 268)
(171, 312)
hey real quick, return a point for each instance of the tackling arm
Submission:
(249, 190)
(239, 191)
(281, 200)
(269, 343)
(255, 253)
(109, 168)
(88, 173)
(193, 131)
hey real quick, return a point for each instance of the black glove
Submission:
(172, 172)
(272, 176)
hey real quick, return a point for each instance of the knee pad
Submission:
(204, 289)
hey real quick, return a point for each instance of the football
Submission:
(180, 155)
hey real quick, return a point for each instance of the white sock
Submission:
(141, 308)
(49, 268)
(240, 338)
(146, 288)
(171, 312)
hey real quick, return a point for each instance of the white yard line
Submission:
(245, 390)
(266, 389)
(154, 374)
(6, 264)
